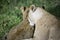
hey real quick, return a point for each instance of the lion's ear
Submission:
(43, 7)
(32, 7)
(23, 9)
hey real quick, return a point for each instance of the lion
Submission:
(23, 30)
(46, 25)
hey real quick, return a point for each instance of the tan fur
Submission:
(47, 27)
(21, 31)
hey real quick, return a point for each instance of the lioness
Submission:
(47, 26)
(23, 30)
